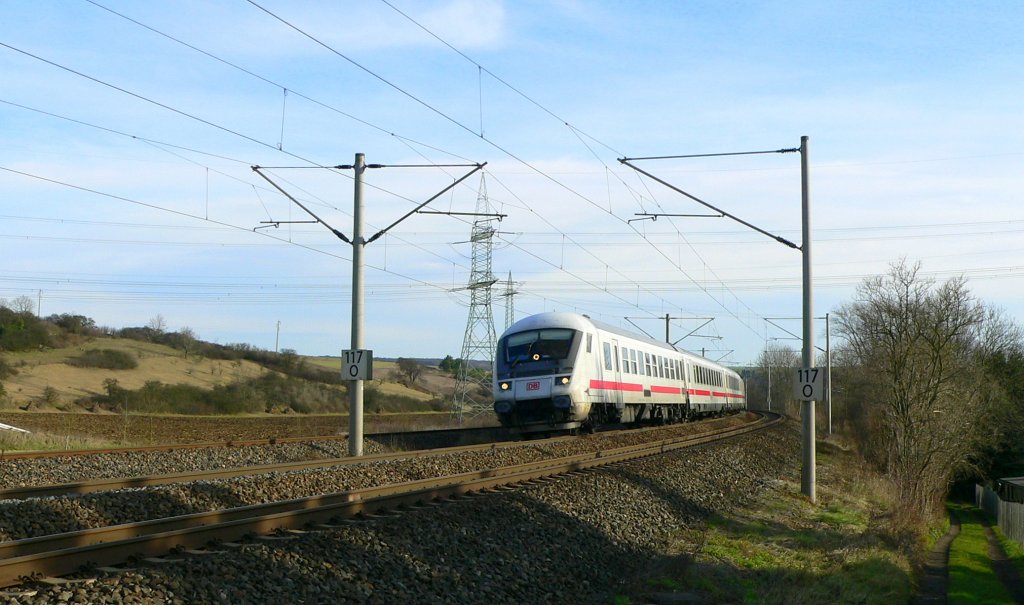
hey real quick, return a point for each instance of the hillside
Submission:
(37, 370)
(45, 379)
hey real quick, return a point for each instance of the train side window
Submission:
(625, 360)
(632, 361)
(616, 359)
(590, 337)
(680, 370)
(647, 364)
(607, 356)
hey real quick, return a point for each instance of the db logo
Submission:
(532, 386)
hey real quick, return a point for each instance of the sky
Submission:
(130, 130)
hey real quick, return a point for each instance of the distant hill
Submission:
(65, 363)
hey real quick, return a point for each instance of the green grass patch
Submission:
(108, 359)
(839, 516)
(1013, 549)
(971, 578)
(782, 549)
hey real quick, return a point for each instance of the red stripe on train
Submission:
(611, 385)
(669, 390)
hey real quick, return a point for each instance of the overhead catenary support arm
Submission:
(358, 243)
(432, 198)
(340, 235)
(777, 238)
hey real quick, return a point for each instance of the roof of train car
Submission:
(575, 320)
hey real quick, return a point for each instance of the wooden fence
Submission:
(1009, 516)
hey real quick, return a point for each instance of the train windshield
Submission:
(538, 345)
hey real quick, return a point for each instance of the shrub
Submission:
(21, 331)
(107, 359)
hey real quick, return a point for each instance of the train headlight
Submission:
(562, 402)
(504, 386)
(563, 380)
(502, 407)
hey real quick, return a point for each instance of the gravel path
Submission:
(572, 541)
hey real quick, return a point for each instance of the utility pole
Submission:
(359, 243)
(807, 407)
(277, 339)
(355, 390)
(807, 478)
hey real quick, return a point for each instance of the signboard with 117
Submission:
(809, 384)
(357, 364)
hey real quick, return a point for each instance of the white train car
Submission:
(563, 371)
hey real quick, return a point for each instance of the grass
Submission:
(38, 370)
(1014, 550)
(971, 578)
(783, 549)
(14, 441)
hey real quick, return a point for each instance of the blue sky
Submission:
(127, 190)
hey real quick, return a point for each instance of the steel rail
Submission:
(115, 483)
(65, 553)
(168, 447)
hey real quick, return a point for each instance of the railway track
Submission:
(98, 485)
(465, 435)
(62, 554)
(499, 436)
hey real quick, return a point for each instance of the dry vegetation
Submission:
(44, 380)
(38, 370)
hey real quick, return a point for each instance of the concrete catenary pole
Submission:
(807, 483)
(355, 394)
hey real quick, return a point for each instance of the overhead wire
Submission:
(579, 135)
(451, 120)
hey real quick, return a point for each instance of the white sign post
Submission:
(357, 364)
(809, 384)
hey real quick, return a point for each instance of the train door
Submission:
(617, 373)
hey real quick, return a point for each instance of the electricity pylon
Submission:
(510, 307)
(473, 380)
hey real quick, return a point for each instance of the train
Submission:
(567, 372)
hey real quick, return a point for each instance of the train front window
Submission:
(538, 345)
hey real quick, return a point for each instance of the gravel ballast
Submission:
(574, 540)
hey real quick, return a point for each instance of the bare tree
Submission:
(774, 383)
(23, 304)
(157, 323)
(188, 338)
(925, 402)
